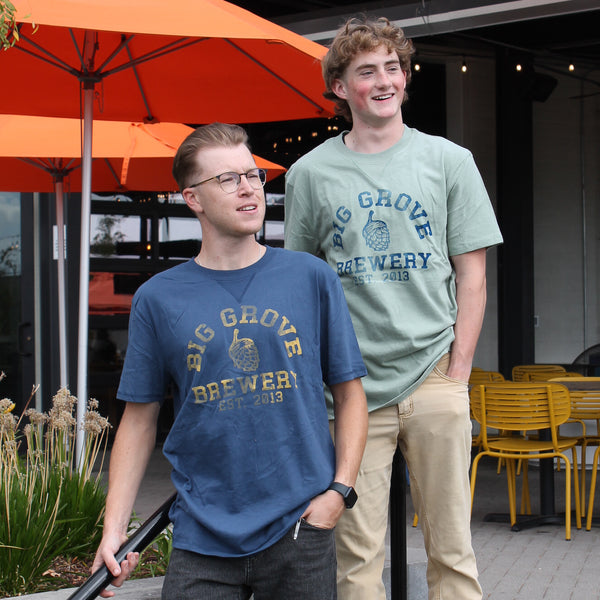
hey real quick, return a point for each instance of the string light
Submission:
(463, 67)
(417, 67)
(518, 67)
(571, 67)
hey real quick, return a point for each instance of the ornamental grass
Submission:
(49, 505)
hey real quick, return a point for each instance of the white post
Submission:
(62, 310)
(84, 253)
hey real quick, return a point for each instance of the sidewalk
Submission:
(533, 564)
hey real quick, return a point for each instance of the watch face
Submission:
(351, 498)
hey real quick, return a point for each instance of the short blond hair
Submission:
(185, 165)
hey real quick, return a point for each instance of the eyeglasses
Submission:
(230, 181)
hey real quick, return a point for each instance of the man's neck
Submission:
(230, 256)
(369, 139)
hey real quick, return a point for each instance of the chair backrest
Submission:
(481, 376)
(516, 406)
(585, 396)
(536, 372)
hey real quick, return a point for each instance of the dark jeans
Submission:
(303, 568)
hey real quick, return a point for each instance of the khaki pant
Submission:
(433, 430)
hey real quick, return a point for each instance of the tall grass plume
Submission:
(49, 504)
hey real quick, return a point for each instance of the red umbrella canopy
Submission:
(190, 61)
(34, 151)
(193, 61)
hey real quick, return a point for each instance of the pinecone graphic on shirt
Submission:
(376, 233)
(244, 353)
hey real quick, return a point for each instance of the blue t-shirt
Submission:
(248, 352)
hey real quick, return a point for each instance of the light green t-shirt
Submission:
(388, 224)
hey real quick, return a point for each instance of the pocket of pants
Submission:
(439, 373)
(304, 523)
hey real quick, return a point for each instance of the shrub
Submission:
(49, 505)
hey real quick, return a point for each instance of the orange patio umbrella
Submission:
(191, 61)
(35, 152)
(42, 154)
(186, 61)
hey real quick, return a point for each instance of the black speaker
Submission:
(542, 86)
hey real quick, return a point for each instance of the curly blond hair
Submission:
(362, 35)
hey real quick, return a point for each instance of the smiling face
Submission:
(373, 85)
(235, 215)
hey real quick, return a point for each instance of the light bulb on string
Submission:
(463, 67)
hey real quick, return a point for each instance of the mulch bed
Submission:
(72, 572)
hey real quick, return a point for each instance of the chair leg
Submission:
(567, 498)
(525, 498)
(576, 488)
(583, 476)
(590, 509)
(474, 477)
(512, 493)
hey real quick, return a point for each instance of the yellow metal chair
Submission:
(536, 376)
(585, 406)
(480, 376)
(537, 372)
(525, 407)
(477, 377)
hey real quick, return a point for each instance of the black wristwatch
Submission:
(348, 493)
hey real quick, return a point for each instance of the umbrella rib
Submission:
(112, 171)
(37, 163)
(124, 44)
(47, 165)
(149, 117)
(172, 47)
(53, 60)
(281, 80)
(77, 48)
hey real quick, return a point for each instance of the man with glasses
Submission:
(248, 335)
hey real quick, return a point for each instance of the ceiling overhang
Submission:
(435, 17)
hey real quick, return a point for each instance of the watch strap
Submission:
(348, 493)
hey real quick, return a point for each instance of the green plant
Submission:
(9, 30)
(49, 505)
(154, 560)
(8, 25)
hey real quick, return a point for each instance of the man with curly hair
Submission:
(404, 219)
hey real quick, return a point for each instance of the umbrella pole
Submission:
(62, 311)
(84, 269)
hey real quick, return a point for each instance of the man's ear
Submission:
(192, 200)
(338, 88)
